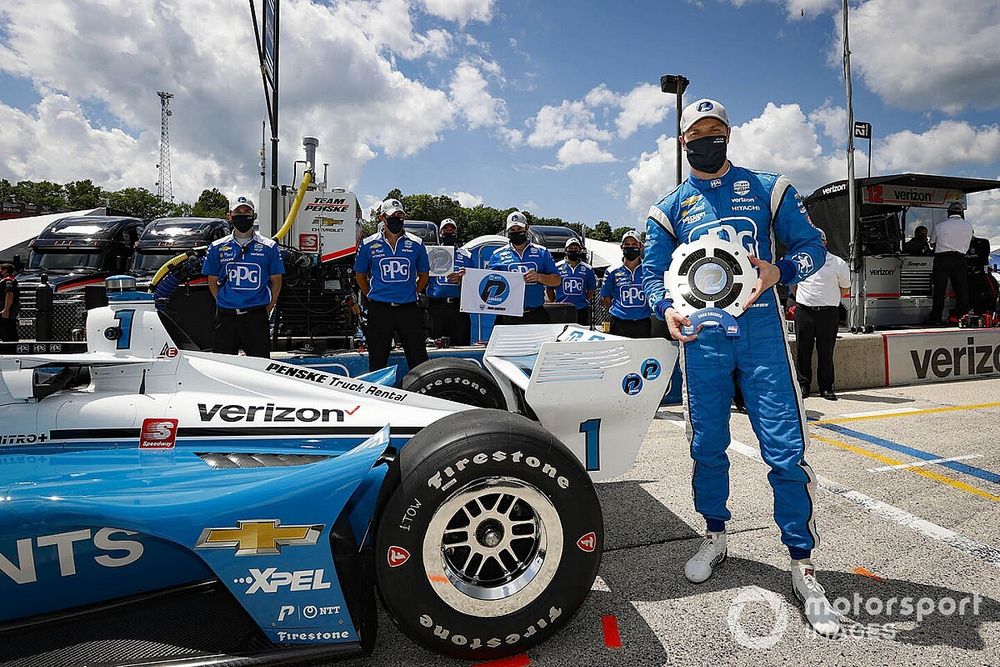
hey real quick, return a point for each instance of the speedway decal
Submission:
(260, 537)
(337, 381)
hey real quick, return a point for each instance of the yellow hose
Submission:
(289, 219)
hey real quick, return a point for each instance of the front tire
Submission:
(493, 538)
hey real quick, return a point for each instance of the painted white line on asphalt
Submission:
(917, 464)
(983, 552)
(600, 585)
(873, 413)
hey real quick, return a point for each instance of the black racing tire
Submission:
(458, 380)
(502, 490)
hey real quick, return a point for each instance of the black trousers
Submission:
(250, 332)
(816, 327)
(8, 329)
(406, 321)
(631, 328)
(583, 316)
(950, 265)
(534, 316)
(448, 320)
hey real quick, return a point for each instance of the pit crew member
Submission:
(534, 261)
(443, 292)
(577, 281)
(244, 272)
(750, 208)
(390, 268)
(623, 295)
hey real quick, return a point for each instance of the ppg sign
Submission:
(572, 286)
(394, 269)
(632, 296)
(243, 276)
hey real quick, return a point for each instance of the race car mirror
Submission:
(709, 280)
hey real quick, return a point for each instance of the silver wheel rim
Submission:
(493, 547)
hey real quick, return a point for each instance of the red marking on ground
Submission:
(864, 572)
(520, 660)
(437, 579)
(612, 639)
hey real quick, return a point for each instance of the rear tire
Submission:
(458, 380)
(493, 538)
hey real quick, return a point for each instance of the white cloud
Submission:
(940, 149)
(797, 8)
(461, 11)
(917, 55)
(643, 106)
(467, 199)
(782, 139)
(473, 100)
(984, 215)
(569, 120)
(832, 121)
(575, 151)
(337, 64)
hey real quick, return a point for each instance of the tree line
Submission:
(141, 203)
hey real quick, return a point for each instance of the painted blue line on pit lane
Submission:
(916, 453)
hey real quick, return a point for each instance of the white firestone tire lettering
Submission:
(456, 380)
(496, 487)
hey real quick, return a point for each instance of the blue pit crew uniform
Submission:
(244, 270)
(447, 319)
(392, 297)
(629, 309)
(534, 257)
(751, 208)
(577, 282)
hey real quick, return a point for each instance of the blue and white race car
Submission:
(160, 504)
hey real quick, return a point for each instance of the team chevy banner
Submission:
(486, 292)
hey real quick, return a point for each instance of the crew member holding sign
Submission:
(391, 268)
(577, 281)
(532, 260)
(623, 294)
(443, 292)
(244, 275)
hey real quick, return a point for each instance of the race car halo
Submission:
(710, 273)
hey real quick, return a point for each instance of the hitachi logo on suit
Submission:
(271, 413)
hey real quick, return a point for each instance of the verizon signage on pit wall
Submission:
(940, 357)
(905, 195)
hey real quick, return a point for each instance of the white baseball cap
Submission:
(570, 241)
(390, 206)
(244, 201)
(631, 234)
(516, 219)
(448, 221)
(703, 108)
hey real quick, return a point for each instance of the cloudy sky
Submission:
(552, 105)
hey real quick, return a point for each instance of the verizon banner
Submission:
(910, 196)
(941, 356)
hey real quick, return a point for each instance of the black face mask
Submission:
(707, 154)
(242, 223)
(574, 255)
(631, 254)
(394, 225)
(449, 239)
(518, 238)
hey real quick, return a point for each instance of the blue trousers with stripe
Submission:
(760, 361)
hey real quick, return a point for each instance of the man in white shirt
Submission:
(817, 317)
(951, 239)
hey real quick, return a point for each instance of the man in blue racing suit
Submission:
(751, 208)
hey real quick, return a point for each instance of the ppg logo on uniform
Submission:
(394, 269)
(572, 286)
(243, 276)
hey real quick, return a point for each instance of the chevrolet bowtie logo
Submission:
(260, 537)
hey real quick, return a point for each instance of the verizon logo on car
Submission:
(271, 413)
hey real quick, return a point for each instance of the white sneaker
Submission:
(819, 612)
(711, 553)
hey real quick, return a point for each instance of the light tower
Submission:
(164, 189)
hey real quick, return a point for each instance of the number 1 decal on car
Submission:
(592, 436)
(124, 318)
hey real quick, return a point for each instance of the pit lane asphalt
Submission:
(927, 531)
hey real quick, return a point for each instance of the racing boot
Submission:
(819, 612)
(711, 553)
